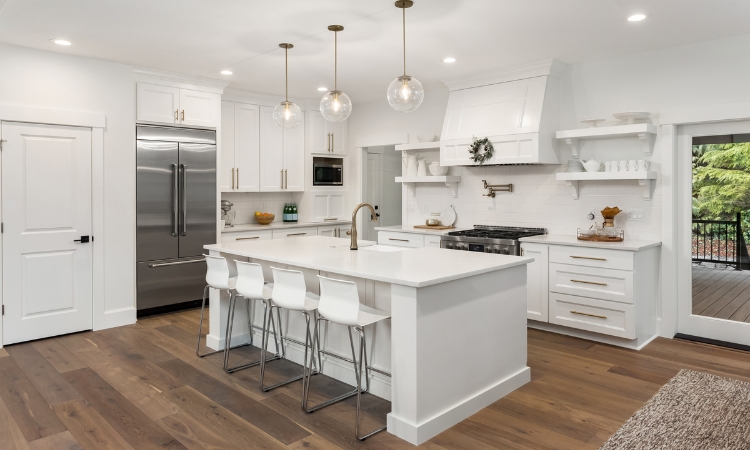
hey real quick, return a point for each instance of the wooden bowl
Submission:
(265, 220)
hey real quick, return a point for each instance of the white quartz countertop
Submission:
(631, 245)
(415, 267)
(411, 229)
(281, 225)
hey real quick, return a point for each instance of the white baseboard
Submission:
(634, 344)
(419, 433)
(119, 317)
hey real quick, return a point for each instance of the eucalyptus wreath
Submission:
(475, 149)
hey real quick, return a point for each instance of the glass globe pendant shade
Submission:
(287, 115)
(335, 106)
(405, 94)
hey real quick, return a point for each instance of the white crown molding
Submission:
(550, 67)
(180, 80)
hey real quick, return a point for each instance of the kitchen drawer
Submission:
(594, 282)
(591, 257)
(599, 316)
(295, 232)
(246, 236)
(432, 241)
(400, 239)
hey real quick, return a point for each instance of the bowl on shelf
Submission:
(264, 218)
(426, 137)
(437, 170)
(592, 165)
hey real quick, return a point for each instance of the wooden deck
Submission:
(722, 293)
(141, 387)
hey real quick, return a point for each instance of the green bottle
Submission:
(294, 212)
(286, 212)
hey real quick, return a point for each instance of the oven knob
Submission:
(488, 250)
(464, 247)
(505, 251)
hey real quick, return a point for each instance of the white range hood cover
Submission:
(518, 110)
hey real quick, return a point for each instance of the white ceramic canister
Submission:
(422, 168)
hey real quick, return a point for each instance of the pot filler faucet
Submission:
(353, 231)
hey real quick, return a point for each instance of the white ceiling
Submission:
(202, 37)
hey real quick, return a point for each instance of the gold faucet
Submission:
(353, 232)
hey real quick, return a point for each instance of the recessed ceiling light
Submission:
(322, 89)
(226, 72)
(449, 60)
(636, 17)
(60, 41)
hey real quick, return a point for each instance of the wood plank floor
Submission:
(722, 293)
(142, 387)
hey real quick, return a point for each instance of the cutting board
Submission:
(435, 227)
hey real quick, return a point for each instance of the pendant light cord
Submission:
(286, 72)
(403, 10)
(335, 59)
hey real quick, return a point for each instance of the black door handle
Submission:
(83, 240)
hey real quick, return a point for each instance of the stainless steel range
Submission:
(489, 239)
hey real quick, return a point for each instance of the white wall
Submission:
(700, 74)
(54, 80)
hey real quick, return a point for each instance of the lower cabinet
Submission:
(333, 231)
(432, 241)
(610, 292)
(246, 236)
(400, 239)
(280, 233)
(328, 206)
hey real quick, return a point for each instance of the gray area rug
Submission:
(694, 411)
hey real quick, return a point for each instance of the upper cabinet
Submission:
(326, 137)
(282, 155)
(240, 147)
(518, 111)
(173, 105)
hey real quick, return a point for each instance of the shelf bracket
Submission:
(647, 186)
(575, 145)
(574, 187)
(648, 140)
(411, 187)
(453, 187)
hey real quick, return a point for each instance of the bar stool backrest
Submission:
(218, 273)
(339, 301)
(289, 289)
(250, 280)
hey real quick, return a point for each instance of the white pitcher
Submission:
(410, 161)
(422, 168)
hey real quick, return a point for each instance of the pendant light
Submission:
(405, 93)
(287, 114)
(335, 105)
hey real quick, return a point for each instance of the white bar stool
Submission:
(250, 285)
(339, 303)
(218, 276)
(290, 293)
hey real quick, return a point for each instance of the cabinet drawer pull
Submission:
(246, 238)
(589, 257)
(331, 218)
(588, 282)
(332, 143)
(176, 112)
(297, 234)
(400, 240)
(183, 115)
(588, 315)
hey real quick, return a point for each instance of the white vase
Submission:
(411, 165)
(422, 168)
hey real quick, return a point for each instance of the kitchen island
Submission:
(457, 338)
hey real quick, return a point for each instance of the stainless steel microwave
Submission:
(328, 175)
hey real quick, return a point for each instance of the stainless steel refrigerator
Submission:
(176, 211)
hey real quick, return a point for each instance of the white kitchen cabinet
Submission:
(281, 233)
(326, 137)
(246, 236)
(537, 284)
(333, 231)
(432, 241)
(400, 239)
(172, 105)
(240, 147)
(328, 206)
(282, 155)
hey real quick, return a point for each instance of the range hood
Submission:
(518, 110)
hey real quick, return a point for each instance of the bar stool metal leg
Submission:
(307, 344)
(362, 362)
(228, 338)
(200, 328)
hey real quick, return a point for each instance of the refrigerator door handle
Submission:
(184, 199)
(175, 263)
(175, 200)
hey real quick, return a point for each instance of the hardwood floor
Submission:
(722, 293)
(142, 387)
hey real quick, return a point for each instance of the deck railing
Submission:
(719, 241)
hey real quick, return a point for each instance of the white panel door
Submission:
(247, 147)
(294, 158)
(46, 207)
(199, 108)
(226, 176)
(157, 103)
(271, 152)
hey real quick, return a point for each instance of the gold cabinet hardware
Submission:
(332, 143)
(297, 234)
(400, 240)
(588, 315)
(176, 114)
(521, 251)
(183, 115)
(232, 177)
(589, 257)
(238, 177)
(588, 282)
(282, 178)
(247, 238)
(330, 218)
